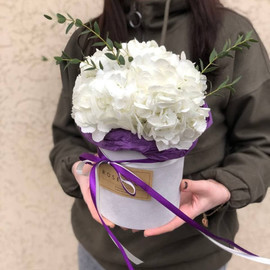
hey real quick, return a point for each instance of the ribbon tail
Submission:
(131, 257)
(125, 253)
(239, 253)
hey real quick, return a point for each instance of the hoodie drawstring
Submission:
(165, 22)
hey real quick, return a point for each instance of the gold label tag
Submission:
(109, 179)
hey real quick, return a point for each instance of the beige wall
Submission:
(35, 231)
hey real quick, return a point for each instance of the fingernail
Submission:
(186, 184)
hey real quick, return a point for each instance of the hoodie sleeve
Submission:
(245, 169)
(68, 142)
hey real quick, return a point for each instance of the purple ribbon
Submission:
(122, 171)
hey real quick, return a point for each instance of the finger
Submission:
(96, 216)
(172, 225)
(124, 228)
(89, 201)
(213, 192)
(134, 231)
(85, 170)
(188, 210)
(198, 187)
(74, 167)
(84, 183)
(108, 222)
(84, 186)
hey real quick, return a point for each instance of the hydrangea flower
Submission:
(157, 96)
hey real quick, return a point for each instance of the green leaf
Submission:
(100, 65)
(222, 54)
(70, 17)
(218, 95)
(78, 23)
(210, 85)
(230, 88)
(238, 48)
(121, 60)
(98, 44)
(225, 46)
(82, 53)
(246, 45)
(75, 61)
(130, 59)
(58, 59)
(69, 27)
(65, 55)
(93, 37)
(84, 32)
(96, 28)
(44, 58)
(240, 38)
(47, 17)
(93, 63)
(210, 69)
(118, 45)
(67, 65)
(201, 64)
(213, 55)
(224, 83)
(253, 40)
(236, 80)
(91, 68)
(248, 35)
(110, 43)
(110, 56)
(61, 18)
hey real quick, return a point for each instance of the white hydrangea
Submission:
(158, 96)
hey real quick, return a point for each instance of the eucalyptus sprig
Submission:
(225, 85)
(241, 43)
(113, 47)
(114, 53)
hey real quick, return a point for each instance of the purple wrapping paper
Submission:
(120, 139)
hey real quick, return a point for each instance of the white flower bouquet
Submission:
(137, 101)
(156, 96)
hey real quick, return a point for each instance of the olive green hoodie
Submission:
(234, 150)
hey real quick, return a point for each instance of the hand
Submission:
(196, 198)
(83, 182)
